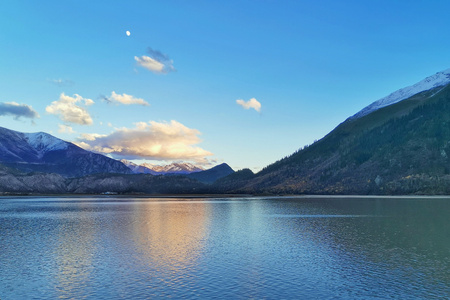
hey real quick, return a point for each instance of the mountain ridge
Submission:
(437, 80)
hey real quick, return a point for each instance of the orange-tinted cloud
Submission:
(152, 140)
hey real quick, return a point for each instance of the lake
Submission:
(227, 248)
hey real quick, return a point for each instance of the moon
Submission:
(128, 33)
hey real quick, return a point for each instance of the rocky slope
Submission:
(14, 181)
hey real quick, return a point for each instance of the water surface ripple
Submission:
(226, 248)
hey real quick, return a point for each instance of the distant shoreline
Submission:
(126, 195)
(198, 196)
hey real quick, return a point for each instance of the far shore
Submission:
(198, 196)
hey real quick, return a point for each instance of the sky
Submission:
(241, 82)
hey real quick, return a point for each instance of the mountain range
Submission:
(41, 163)
(399, 144)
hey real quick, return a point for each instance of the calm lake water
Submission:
(230, 248)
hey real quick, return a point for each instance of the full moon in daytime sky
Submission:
(128, 33)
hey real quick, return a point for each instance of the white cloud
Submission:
(66, 109)
(65, 129)
(17, 110)
(152, 140)
(252, 103)
(150, 64)
(91, 136)
(88, 102)
(127, 99)
(156, 61)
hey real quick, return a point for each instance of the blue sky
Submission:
(310, 65)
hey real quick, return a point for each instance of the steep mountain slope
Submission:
(233, 182)
(439, 79)
(43, 152)
(401, 148)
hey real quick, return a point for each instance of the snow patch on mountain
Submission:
(436, 80)
(174, 168)
(43, 142)
(138, 169)
(178, 168)
(129, 164)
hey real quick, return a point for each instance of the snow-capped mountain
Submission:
(42, 142)
(439, 79)
(27, 147)
(45, 153)
(178, 168)
(174, 168)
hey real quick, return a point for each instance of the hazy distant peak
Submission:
(439, 79)
(174, 168)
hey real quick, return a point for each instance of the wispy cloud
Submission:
(124, 99)
(152, 140)
(65, 129)
(66, 109)
(155, 61)
(252, 103)
(61, 82)
(90, 136)
(17, 110)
